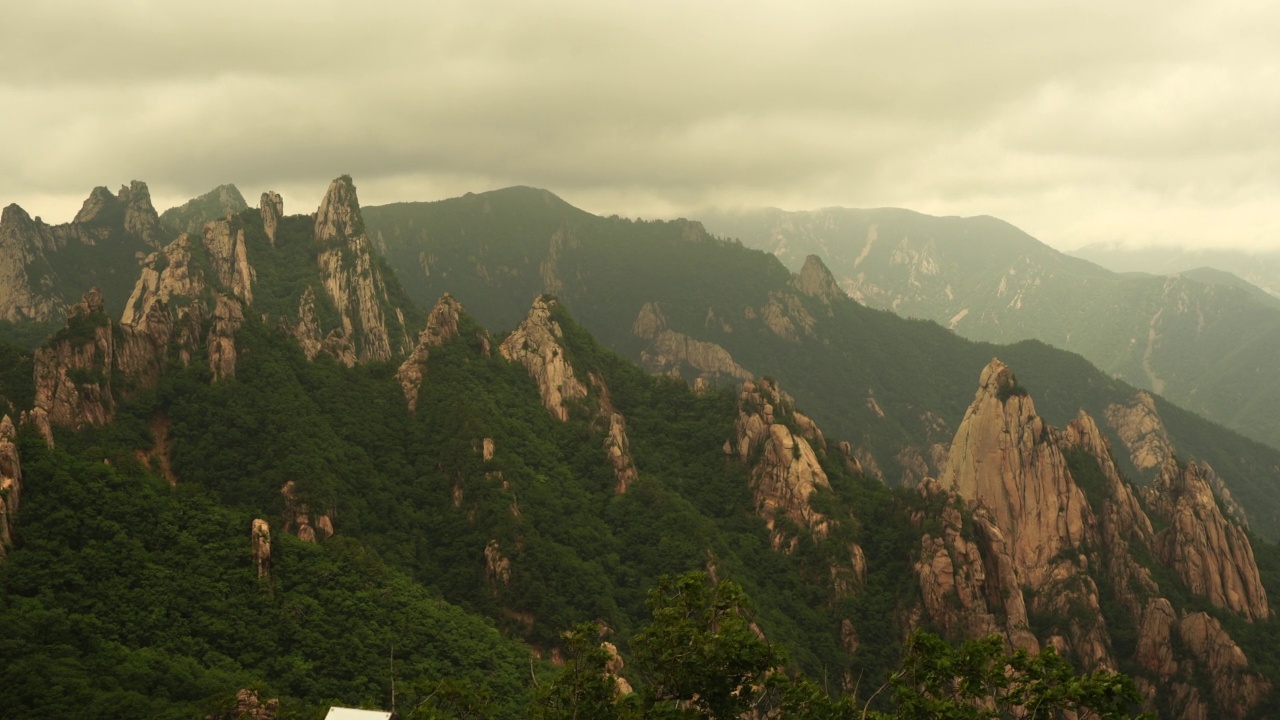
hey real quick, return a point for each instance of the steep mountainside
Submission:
(286, 529)
(217, 204)
(45, 268)
(671, 296)
(1204, 341)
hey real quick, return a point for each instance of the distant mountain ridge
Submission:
(1203, 339)
(1260, 268)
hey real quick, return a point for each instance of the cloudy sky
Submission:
(1141, 121)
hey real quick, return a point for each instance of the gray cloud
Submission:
(1080, 122)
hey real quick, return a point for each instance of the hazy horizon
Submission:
(1079, 123)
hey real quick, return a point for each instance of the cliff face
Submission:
(1004, 457)
(219, 203)
(10, 484)
(1036, 546)
(442, 326)
(76, 374)
(353, 279)
(44, 267)
(674, 353)
(1210, 555)
(203, 309)
(536, 345)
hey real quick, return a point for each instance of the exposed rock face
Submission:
(74, 373)
(1005, 459)
(260, 537)
(352, 279)
(247, 706)
(535, 344)
(10, 484)
(671, 352)
(442, 326)
(131, 206)
(1003, 456)
(1207, 651)
(969, 587)
(617, 447)
(221, 202)
(613, 669)
(23, 242)
(497, 566)
(173, 295)
(224, 241)
(785, 471)
(102, 243)
(271, 205)
(816, 281)
(301, 521)
(1210, 555)
(787, 317)
(1141, 430)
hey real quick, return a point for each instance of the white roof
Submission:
(341, 713)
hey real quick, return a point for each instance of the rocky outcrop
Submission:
(816, 281)
(442, 326)
(1210, 555)
(1190, 654)
(968, 586)
(247, 706)
(785, 472)
(301, 521)
(131, 207)
(219, 203)
(308, 334)
(260, 541)
(225, 245)
(43, 267)
(76, 373)
(535, 344)
(1003, 456)
(672, 353)
(271, 205)
(497, 566)
(174, 298)
(24, 291)
(1141, 430)
(353, 280)
(613, 669)
(786, 316)
(1007, 461)
(10, 483)
(617, 446)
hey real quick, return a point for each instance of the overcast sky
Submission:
(1137, 120)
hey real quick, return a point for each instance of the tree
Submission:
(977, 681)
(585, 688)
(701, 656)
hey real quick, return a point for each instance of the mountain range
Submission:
(453, 430)
(1205, 340)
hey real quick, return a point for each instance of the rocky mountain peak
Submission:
(339, 216)
(536, 344)
(816, 281)
(1211, 556)
(14, 219)
(353, 280)
(131, 208)
(1003, 456)
(272, 207)
(99, 202)
(442, 326)
(219, 203)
